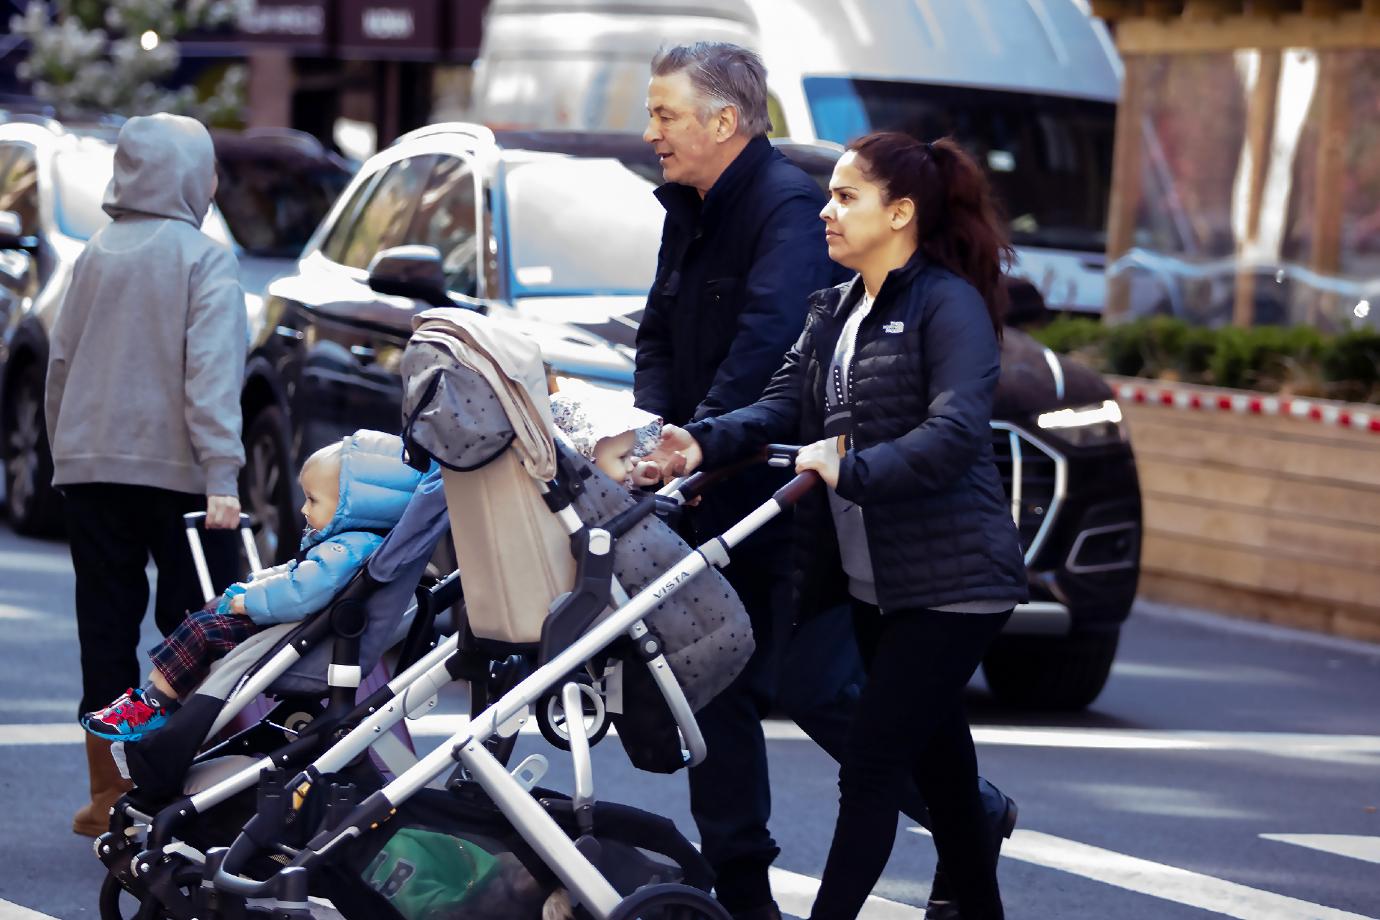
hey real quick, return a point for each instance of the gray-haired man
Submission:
(741, 251)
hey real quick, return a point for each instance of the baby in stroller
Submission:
(609, 431)
(356, 489)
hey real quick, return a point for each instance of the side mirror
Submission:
(1026, 306)
(12, 234)
(411, 271)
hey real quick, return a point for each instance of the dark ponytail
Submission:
(957, 221)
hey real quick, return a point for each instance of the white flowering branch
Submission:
(111, 57)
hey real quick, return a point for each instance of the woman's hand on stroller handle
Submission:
(822, 457)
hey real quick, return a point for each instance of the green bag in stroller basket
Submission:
(451, 855)
(427, 875)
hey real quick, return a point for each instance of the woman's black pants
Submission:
(911, 726)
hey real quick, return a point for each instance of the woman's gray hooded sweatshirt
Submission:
(147, 352)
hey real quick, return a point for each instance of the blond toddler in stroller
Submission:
(620, 622)
(193, 791)
(354, 491)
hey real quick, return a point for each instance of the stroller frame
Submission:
(510, 792)
(162, 856)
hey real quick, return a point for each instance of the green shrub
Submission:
(1230, 358)
(1351, 366)
(1123, 351)
(1294, 359)
(1199, 344)
(1069, 334)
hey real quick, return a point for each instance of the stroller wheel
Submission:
(117, 903)
(669, 902)
(551, 718)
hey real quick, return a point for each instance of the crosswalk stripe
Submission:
(795, 893)
(1161, 881)
(1354, 846)
(1284, 744)
(1360, 749)
(41, 733)
(11, 911)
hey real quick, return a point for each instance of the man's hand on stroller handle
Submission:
(676, 454)
(646, 473)
(222, 512)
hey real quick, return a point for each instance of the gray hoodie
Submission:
(147, 352)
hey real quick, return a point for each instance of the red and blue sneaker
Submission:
(129, 718)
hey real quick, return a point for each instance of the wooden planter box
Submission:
(1274, 517)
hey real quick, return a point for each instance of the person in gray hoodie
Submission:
(145, 365)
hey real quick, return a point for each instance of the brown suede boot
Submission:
(107, 785)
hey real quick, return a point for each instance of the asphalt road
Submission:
(1227, 770)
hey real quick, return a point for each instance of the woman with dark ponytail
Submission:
(890, 390)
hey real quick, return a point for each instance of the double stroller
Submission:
(579, 607)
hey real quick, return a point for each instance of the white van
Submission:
(1029, 86)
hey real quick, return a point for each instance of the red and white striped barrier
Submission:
(1326, 413)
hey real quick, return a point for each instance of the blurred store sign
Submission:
(421, 30)
(300, 24)
(390, 28)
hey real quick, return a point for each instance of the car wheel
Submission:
(34, 506)
(266, 485)
(1050, 672)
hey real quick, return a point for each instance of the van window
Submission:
(1049, 157)
(446, 219)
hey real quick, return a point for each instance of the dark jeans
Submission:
(822, 677)
(910, 727)
(818, 675)
(113, 530)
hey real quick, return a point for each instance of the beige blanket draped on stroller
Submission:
(476, 401)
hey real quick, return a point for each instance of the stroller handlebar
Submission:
(689, 487)
(198, 519)
(796, 489)
(195, 523)
(780, 455)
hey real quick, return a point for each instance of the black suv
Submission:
(275, 186)
(556, 233)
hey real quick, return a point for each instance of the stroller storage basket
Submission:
(453, 854)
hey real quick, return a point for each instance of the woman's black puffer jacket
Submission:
(925, 367)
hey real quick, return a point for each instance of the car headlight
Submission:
(1087, 426)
